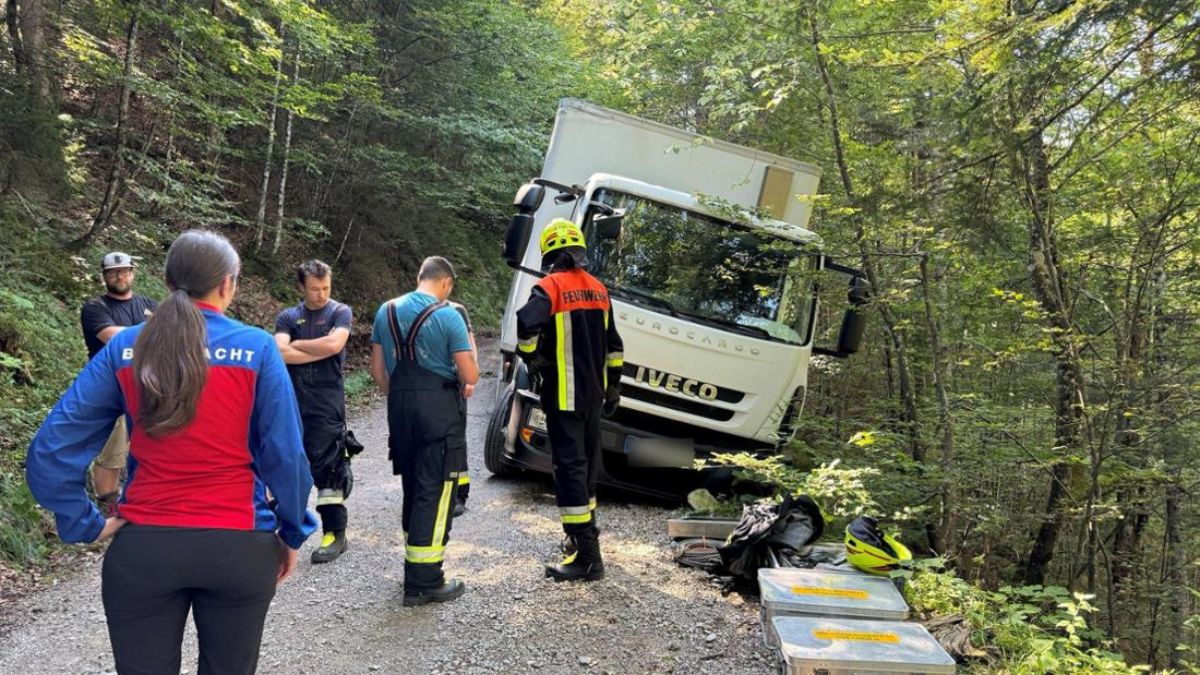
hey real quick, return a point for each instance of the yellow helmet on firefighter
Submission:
(872, 551)
(559, 234)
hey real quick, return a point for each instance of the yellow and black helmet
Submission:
(559, 234)
(872, 551)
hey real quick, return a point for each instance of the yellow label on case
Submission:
(852, 593)
(891, 638)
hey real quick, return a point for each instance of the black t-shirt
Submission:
(303, 323)
(104, 311)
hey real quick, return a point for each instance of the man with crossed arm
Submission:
(312, 339)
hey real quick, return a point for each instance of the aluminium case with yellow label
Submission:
(790, 591)
(812, 645)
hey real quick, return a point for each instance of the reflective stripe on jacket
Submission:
(568, 322)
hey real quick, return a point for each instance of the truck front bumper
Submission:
(632, 459)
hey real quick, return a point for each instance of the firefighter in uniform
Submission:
(312, 340)
(567, 335)
(421, 356)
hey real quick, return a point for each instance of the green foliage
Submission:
(1022, 631)
(40, 353)
(25, 531)
(359, 385)
(841, 492)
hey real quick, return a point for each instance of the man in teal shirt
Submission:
(421, 357)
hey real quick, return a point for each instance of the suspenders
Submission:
(406, 350)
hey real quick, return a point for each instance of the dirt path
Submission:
(647, 616)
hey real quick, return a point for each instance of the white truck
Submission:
(712, 276)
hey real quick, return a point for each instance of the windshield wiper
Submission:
(648, 298)
(753, 330)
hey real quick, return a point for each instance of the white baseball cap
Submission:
(116, 260)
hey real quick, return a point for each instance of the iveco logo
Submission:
(656, 378)
(691, 334)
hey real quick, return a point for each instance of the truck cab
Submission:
(715, 303)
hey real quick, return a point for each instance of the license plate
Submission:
(660, 452)
(537, 419)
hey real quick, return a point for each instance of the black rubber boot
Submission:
(444, 593)
(460, 504)
(330, 549)
(582, 561)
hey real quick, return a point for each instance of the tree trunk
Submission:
(32, 16)
(261, 217)
(949, 496)
(12, 20)
(114, 185)
(345, 236)
(1050, 291)
(287, 148)
(1177, 564)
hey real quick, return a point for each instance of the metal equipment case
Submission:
(835, 646)
(789, 591)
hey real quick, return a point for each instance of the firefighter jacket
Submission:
(566, 330)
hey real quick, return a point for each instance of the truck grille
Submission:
(653, 378)
(690, 406)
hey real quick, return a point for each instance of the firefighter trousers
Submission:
(427, 445)
(575, 450)
(464, 480)
(322, 399)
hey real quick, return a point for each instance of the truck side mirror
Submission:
(608, 226)
(854, 322)
(520, 228)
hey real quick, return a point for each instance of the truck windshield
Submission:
(689, 264)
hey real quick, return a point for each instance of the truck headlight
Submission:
(537, 420)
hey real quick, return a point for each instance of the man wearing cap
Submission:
(103, 317)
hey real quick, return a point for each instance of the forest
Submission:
(1018, 179)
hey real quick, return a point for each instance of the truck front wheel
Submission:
(493, 446)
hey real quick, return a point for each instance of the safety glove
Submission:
(612, 400)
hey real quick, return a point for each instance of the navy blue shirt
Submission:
(106, 311)
(302, 323)
(443, 334)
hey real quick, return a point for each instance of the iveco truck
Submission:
(712, 274)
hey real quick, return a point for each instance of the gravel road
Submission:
(647, 616)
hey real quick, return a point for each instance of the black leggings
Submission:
(154, 575)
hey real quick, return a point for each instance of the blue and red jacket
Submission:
(213, 473)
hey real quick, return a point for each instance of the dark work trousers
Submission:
(427, 445)
(320, 391)
(464, 480)
(575, 449)
(152, 576)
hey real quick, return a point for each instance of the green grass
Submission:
(359, 386)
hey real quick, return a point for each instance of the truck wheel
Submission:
(493, 446)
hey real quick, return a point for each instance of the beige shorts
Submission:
(115, 453)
